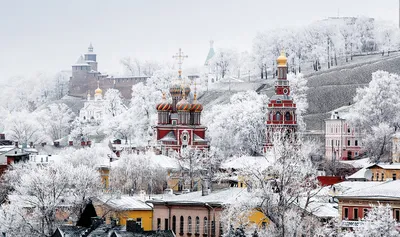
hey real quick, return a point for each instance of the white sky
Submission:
(48, 36)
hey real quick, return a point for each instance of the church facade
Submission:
(281, 117)
(93, 110)
(179, 123)
(85, 75)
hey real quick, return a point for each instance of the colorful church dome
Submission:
(164, 105)
(183, 105)
(282, 60)
(196, 106)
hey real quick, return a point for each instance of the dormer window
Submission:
(278, 101)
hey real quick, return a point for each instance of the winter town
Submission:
(200, 118)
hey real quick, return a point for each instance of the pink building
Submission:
(196, 213)
(342, 142)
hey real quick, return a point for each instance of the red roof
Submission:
(329, 180)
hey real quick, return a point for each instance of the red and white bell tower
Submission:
(281, 117)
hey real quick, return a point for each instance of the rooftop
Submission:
(380, 191)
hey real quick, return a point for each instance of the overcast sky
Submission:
(48, 36)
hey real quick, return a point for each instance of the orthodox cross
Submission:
(180, 56)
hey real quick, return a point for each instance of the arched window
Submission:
(189, 224)
(287, 116)
(181, 224)
(174, 224)
(278, 116)
(205, 228)
(197, 228)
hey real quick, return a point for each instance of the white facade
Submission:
(342, 142)
(93, 110)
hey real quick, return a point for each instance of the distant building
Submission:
(342, 142)
(93, 110)
(85, 75)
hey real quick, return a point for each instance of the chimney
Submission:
(2, 136)
(204, 187)
(70, 143)
(31, 144)
(16, 144)
(89, 143)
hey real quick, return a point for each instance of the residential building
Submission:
(122, 208)
(342, 142)
(355, 204)
(198, 213)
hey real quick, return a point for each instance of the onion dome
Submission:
(183, 105)
(186, 90)
(282, 60)
(98, 91)
(164, 105)
(175, 90)
(196, 106)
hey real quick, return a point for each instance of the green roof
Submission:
(211, 54)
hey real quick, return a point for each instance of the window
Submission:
(181, 224)
(394, 176)
(348, 130)
(221, 229)
(158, 223)
(355, 213)
(287, 116)
(213, 228)
(205, 228)
(355, 142)
(372, 177)
(346, 213)
(174, 224)
(278, 116)
(189, 224)
(197, 229)
(397, 214)
(348, 142)
(356, 153)
(383, 176)
(365, 212)
(349, 155)
(166, 227)
(139, 221)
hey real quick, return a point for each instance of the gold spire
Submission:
(98, 90)
(195, 92)
(282, 60)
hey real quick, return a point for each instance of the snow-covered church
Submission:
(93, 110)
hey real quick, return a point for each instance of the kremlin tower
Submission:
(281, 117)
(179, 125)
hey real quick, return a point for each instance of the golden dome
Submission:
(98, 91)
(282, 60)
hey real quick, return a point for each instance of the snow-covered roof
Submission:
(4, 149)
(363, 173)
(196, 138)
(387, 166)
(245, 162)
(81, 62)
(360, 163)
(382, 190)
(124, 203)
(320, 209)
(165, 162)
(170, 137)
(349, 186)
(218, 197)
(45, 158)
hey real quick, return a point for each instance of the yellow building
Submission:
(124, 207)
(385, 171)
(105, 176)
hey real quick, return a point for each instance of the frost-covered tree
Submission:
(115, 104)
(239, 126)
(25, 128)
(42, 196)
(379, 222)
(224, 60)
(56, 120)
(376, 113)
(134, 172)
(298, 90)
(282, 191)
